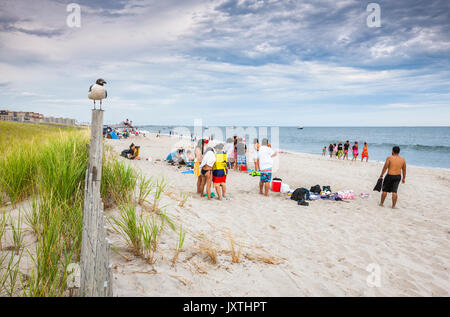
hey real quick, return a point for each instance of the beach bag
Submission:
(297, 195)
(326, 188)
(124, 153)
(315, 189)
(300, 194)
(379, 185)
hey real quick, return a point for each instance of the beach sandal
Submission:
(212, 195)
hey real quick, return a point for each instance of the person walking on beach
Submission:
(365, 153)
(335, 150)
(340, 152)
(330, 150)
(395, 165)
(220, 172)
(355, 151)
(346, 147)
(265, 155)
(209, 158)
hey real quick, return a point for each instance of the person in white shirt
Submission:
(209, 158)
(265, 155)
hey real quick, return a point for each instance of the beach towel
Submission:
(379, 185)
(346, 194)
(188, 172)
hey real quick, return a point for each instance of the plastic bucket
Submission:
(243, 168)
(276, 185)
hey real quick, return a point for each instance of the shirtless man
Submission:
(395, 166)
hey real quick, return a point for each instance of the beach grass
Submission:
(2, 228)
(47, 165)
(160, 187)
(145, 188)
(118, 182)
(179, 246)
(129, 226)
(151, 231)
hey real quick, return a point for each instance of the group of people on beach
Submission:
(340, 151)
(213, 163)
(213, 160)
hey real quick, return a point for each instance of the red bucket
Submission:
(243, 168)
(276, 185)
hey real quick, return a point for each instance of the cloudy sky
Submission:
(243, 62)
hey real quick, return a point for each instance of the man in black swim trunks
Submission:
(346, 146)
(395, 166)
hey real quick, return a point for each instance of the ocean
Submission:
(420, 146)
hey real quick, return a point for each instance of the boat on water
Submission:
(300, 127)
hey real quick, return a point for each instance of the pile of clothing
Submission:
(301, 195)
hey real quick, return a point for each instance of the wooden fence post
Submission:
(95, 269)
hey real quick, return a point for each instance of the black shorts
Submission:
(391, 182)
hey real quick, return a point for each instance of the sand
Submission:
(326, 249)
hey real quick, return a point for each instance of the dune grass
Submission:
(118, 182)
(145, 188)
(2, 228)
(128, 225)
(47, 165)
(179, 245)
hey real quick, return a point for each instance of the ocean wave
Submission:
(417, 147)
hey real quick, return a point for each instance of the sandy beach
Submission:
(324, 249)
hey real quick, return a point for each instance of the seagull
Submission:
(98, 92)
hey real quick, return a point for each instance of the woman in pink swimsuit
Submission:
(355, 151)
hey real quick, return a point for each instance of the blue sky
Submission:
(243, 62)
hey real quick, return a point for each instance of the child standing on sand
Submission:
(335, 150)
(220, 172)
(355, 151)
(365, 153)
(324, 151)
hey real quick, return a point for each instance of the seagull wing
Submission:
(106, 93)
(90, 88)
